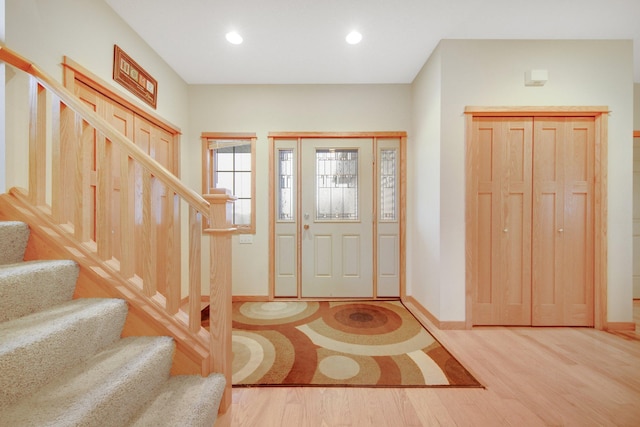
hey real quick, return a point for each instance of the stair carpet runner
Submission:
(63, 362)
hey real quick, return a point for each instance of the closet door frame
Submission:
(600, 115)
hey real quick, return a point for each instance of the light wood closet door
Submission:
(563, 252)
(502, 149)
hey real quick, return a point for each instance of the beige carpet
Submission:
(370, 344)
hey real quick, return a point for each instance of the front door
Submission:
(337, 217)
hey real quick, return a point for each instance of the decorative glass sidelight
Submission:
(388, 188)
(337, 184)
(285, 185)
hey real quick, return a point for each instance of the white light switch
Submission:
(246, 239)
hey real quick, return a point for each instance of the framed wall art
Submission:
(133, 77)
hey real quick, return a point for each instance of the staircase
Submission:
(63, 363)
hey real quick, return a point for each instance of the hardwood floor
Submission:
(533, 377)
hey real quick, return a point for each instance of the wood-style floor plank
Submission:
(533, 377)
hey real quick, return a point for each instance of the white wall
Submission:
(270, 108)
(85, 31)
(423, 197)
(491, 73)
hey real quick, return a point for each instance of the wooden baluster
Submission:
(104, 191)
(127, 253)
(149, 243)
(220, 218)
(195, 269)
(83, 214)
(68, 157)
(57, 181)
(171, 216)
(37, 143)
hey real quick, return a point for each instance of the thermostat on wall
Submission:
(536, 77)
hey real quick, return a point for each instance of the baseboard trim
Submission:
(620, 326)
(250, 298)
(419, 311)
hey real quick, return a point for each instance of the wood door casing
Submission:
(532, 234)
(501, 263)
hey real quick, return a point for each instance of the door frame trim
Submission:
(402, 137)
(600, 114)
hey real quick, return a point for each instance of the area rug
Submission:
(365, 344)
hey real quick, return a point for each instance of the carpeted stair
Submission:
(63, 363)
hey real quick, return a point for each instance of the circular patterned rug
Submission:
(377, 343)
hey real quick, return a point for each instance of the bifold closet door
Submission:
(563, 234)
(501, 159)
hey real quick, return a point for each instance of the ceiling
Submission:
(303, 41)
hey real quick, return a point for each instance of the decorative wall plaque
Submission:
(132, 76)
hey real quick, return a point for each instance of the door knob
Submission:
(504, 230)
(306, 226)
(560, 230)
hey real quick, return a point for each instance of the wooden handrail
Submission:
(110, 132)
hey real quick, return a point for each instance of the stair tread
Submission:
(185, 400)
(36, 348)
(106, 390)
(31, 286)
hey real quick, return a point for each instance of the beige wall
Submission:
(636, 193)
(423, 195)
(636, 106)
(270, 108)
(45, 31)
(491, 73)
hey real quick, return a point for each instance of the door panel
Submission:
(337, 217)
(388, 218)
(563, 280)
(286, 225)
(501, 259)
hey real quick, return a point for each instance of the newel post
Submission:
(220, 229)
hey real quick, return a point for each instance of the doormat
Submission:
(343, 344)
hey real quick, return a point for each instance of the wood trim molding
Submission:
(228, 135)
(530, 111)
(421, 313)
(620, 326)
(600, 221)
(73, 70)
(294, 135)
(250, 298)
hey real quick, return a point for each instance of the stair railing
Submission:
(116, 201)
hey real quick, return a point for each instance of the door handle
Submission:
(560, 230)
(504, 230)
(306, 226)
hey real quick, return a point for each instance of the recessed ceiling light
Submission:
(354, 37)
(234, 38)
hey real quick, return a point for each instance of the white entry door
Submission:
(336, 209)
(337, 214)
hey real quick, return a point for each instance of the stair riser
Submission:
(29, 287)
(107, 390)
(36, 349)
(13, 241)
